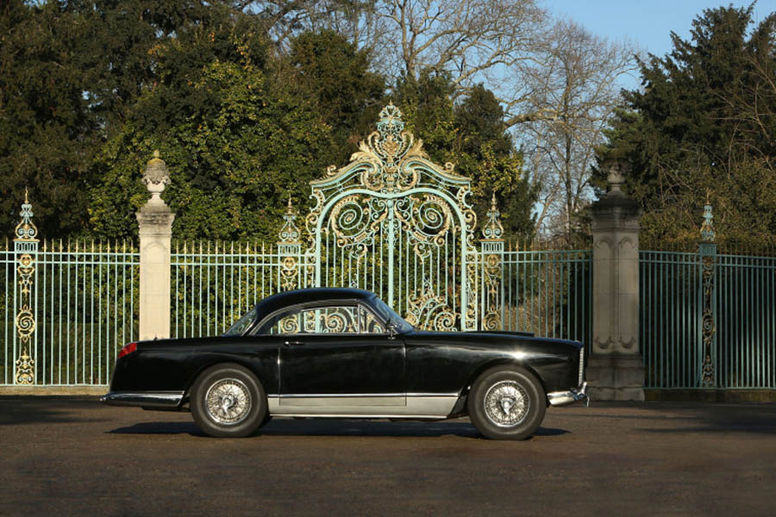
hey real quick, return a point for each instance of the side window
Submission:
(334, 319)
(368, 323)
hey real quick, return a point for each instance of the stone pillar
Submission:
(615, 368)
(155, 221)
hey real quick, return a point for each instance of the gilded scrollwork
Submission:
(290, 248)
(390, 198)
(26, 242)
(708, 328)
(429, 310)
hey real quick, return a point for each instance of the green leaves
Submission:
(704, 121)
(473, 136)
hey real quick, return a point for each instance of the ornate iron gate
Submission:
(393, 222)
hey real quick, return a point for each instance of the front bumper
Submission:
(151, 399)
(564, 398)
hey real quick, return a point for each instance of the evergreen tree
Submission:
(237, 144)
(473, 136)
(335, 76)
(47, 136)
(704, 121)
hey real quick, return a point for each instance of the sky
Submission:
(647, 24)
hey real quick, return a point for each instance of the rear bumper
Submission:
(154, 399)
(564, 398)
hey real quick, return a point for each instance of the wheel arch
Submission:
(460, 406)
(220, 361)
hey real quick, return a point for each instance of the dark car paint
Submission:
(435, 362)
(415, 362)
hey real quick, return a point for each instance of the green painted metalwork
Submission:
(391, 212)
(548, 292)
(708, 319)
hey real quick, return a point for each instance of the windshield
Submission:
(239, 328)
(388, 314)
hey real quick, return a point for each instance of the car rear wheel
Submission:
(228, 401)
(507, 403)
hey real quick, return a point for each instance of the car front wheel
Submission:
(228, 401)
(507, 403)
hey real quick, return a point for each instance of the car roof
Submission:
(313, 294)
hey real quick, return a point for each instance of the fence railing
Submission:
(213, 284)
(740, 309)
(548, 293)
(84, 298)
(83, 306)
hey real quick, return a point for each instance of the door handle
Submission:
(292, 343)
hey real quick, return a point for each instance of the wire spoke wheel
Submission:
(228, 401)
(506, 404)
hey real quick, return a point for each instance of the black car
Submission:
(344, 353)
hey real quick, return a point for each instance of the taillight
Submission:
(127, 349)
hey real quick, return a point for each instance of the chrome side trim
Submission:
(367, 406)
(342, 400)
(563, 398)
(166, 399)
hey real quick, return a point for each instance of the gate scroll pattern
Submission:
(396, 223)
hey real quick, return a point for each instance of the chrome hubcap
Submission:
(506, 403)
(228, 401)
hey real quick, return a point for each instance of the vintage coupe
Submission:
(344, 353)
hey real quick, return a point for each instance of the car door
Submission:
(339, 359)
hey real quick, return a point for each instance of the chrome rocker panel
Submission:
(426, 405)
(151, 399)
(564, 398)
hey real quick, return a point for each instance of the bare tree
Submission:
(577, 87)
(556, 81)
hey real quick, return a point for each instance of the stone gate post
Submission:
(615, 368)
(155, 228)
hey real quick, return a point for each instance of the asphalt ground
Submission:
(74, 456)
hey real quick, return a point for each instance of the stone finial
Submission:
(707, 228)
(155, 178)
(493, 229)
(615, 177)
(289, 233)
(26, 229)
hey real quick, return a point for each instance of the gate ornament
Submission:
(25, 245)
(26, 231)
(708, 252)
(391, 206)
(290, 247)
(492, 268)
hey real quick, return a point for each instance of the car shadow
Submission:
(339, 427)
(36, 409)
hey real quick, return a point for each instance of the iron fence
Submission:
(214, 283)
(548, 292)
(740, 320)
(82, 300)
